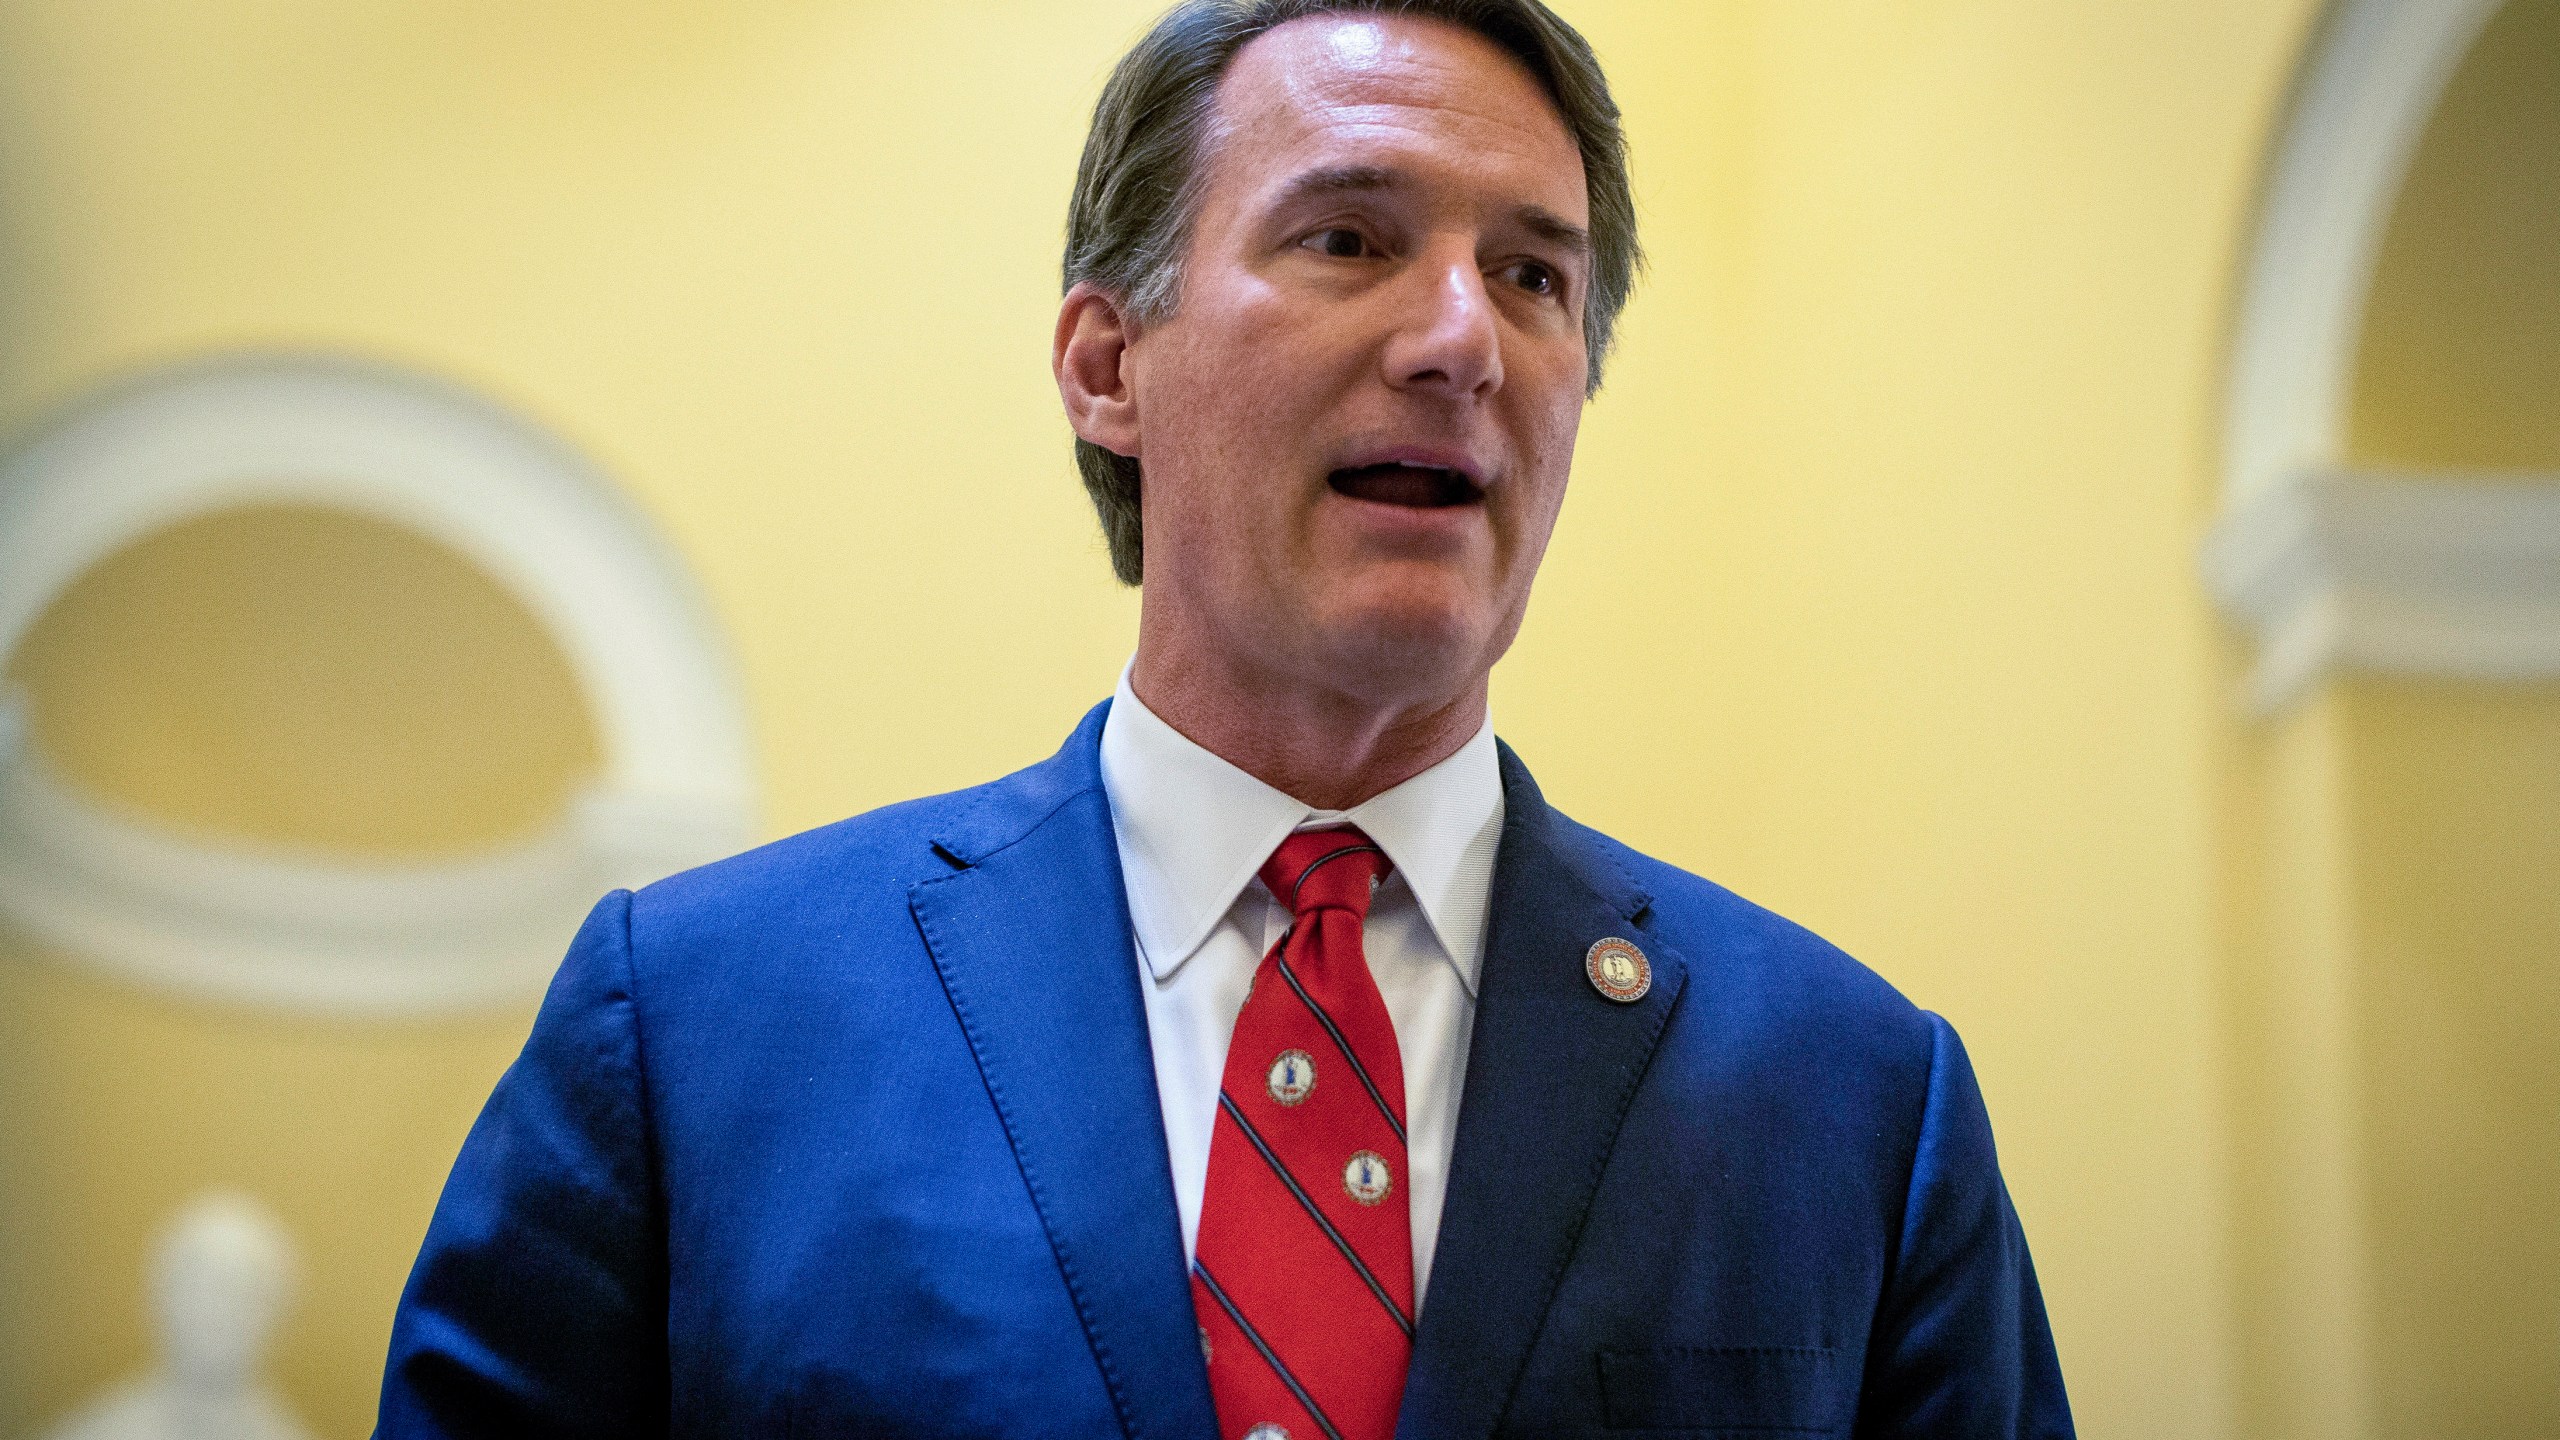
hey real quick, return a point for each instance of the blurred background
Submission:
(2076, 520)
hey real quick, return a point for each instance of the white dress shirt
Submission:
(1193, 830)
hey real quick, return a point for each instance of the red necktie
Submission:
(1303, 1273)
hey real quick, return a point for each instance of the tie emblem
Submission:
(1367, 1179)
(1292, 1076)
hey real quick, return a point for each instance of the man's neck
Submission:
(1325, 748)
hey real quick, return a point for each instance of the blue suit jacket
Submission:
(857, 1134)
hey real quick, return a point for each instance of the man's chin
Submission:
(1410, 652)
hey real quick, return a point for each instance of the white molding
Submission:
(2376, 72)
(2454, 576)
(2329, 567)
(234, 922)
(223, 921)
(2294, 554)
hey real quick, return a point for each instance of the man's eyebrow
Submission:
(1538, 220)
(1547, 225)
(1335, 180)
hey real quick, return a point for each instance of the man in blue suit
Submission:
(1273, 1060)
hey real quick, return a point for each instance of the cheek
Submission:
(1547, 441)
(1221, 365)
(1197, 403)
(1225, 413)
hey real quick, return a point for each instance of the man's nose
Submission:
(1448, 339)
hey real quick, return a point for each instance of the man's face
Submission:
(1356, 426)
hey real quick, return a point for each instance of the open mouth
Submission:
(1416, 487)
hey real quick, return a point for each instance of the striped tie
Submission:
(1303, 1276)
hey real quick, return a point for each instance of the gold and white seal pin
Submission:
(1618, 970)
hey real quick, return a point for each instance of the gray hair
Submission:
(1138, 186)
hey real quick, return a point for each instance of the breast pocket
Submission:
(1769, 1391)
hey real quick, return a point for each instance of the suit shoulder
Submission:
(838, 894)
(1757, 958)
(830, 874)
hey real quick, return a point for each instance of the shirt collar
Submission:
(1193, 829)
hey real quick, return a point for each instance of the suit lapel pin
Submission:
(1618, 970)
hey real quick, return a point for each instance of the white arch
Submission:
(2458, 575)
(2328, 566)
(677, 783)
(2377, 71)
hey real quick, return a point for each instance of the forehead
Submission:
(1408, 94)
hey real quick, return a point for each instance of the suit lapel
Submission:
(1551, 1071)
(1031, 936)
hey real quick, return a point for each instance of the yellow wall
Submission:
(309, 679)
(1874, 598)
(2459, 365)
(2456, 801)
(295, 680)
(1882, 554)
(2453, 791)
(120, 1106)
(2301, 1299)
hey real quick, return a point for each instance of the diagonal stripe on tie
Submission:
(1316, 1213)
(1218, 1293)
(1323, 860)
(1362, 1071)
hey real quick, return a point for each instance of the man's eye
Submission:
(1339, 243)
(1537, 279)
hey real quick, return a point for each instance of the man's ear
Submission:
(1090, 355)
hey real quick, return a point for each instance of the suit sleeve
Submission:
(538, 1303)
(1961, 1347)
